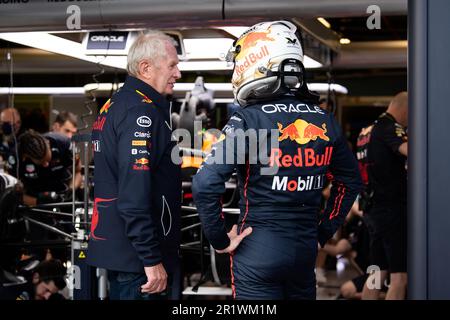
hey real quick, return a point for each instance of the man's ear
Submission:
(35, 278)
(55, 126)
(145, 69)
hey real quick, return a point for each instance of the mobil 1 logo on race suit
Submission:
(300, 133)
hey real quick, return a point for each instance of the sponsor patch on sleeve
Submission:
(144, 121)
(139, 143)
(145, 98)
(141, 164)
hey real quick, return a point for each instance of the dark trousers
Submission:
(388, 238)
(127, 286)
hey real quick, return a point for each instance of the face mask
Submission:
(7, 128)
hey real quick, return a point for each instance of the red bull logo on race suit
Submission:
(302, 132)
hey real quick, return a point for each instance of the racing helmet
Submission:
(268, 61)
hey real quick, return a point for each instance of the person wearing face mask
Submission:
(10, 124)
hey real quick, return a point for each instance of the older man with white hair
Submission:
(135, 231)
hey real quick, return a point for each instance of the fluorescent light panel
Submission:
(43, 90)
(235, 31)
(226, 87)
(323, 88)
(324, 22)
(51, 43)
(179, 87)
(213, 49)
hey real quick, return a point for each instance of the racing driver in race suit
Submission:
(273, 247)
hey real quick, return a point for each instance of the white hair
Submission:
(150, 45)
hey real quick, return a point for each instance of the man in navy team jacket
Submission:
(135, 231)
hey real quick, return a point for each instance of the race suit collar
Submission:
(135, 84)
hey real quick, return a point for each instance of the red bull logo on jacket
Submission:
(145, 98)
(141, 164)
(99, 123)
(106, 107)
(95, 216)
(142, 161)
(302, 132)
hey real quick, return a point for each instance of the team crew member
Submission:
(66, 123)
(47, 279)
(386, 218)
(135, 231)
(10, 123)
(278, 224)
(46, 167)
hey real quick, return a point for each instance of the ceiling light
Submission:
(344, 41)
(310, 63)
(43, 90)
(225, 87)
(202, 54)
(179, 87)
(324, 87)
(207, 48)
(55, 44)
(235, 31)
(324, 22)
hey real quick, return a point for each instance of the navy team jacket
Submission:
(136, 217)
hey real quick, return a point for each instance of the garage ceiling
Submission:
(385, 48)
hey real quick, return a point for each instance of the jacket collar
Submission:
(145, 90)
(388, 116)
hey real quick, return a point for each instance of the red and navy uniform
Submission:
(136, 218)
(386, 218)
(277, 260)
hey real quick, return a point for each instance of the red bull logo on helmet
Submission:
(250, 60)
(302, 132)
(251, 39)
